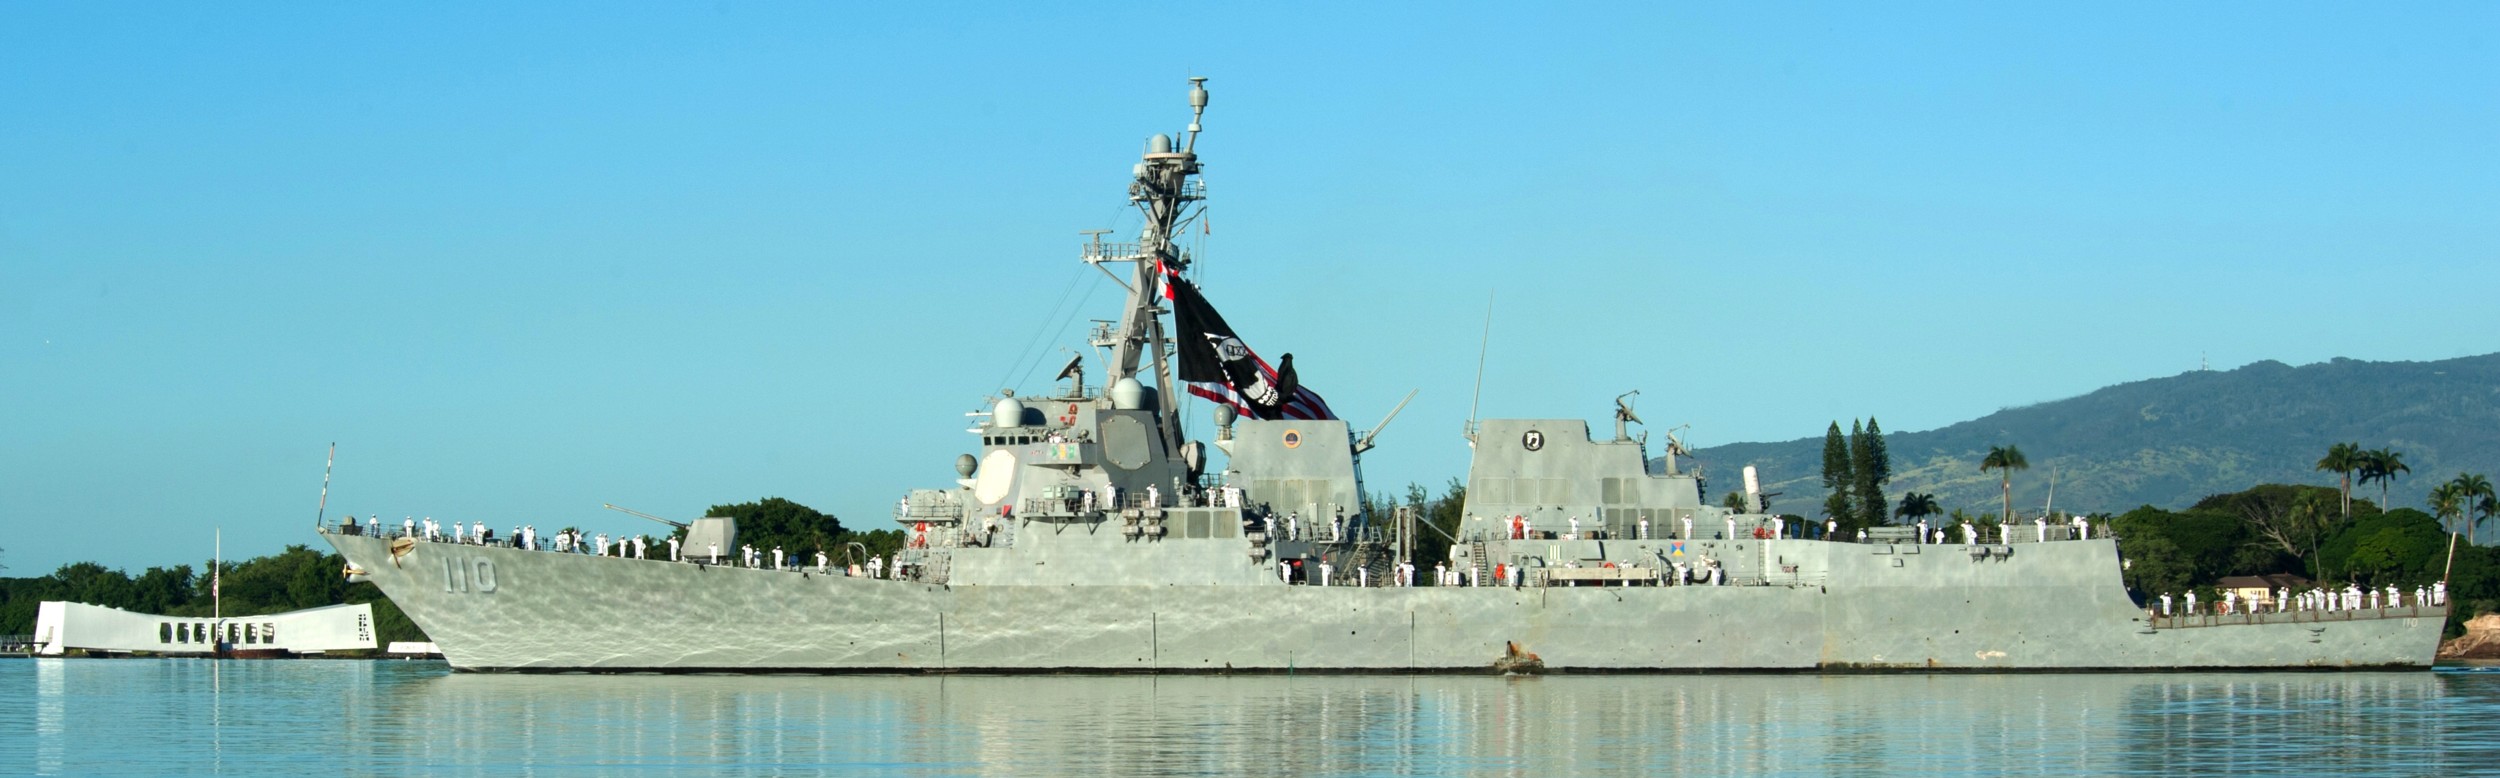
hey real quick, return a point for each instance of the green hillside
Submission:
(2169, 442)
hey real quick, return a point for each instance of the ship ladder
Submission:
(1475, 557)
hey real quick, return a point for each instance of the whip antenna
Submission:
(1481, 347)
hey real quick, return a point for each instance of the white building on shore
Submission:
(62, 626)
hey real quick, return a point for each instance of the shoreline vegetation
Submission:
(2328, 535)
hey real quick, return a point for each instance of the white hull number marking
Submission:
(462, 575)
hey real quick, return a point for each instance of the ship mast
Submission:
(1162, 191)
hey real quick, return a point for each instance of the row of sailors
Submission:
(1521, 528)
(1227, 496)
(2349, 598)
(635, 547)
(1321, 572)
(2079, 529)
(1292, 526)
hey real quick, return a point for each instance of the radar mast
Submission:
(1163, 192)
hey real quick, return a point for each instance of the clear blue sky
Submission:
(519, 261)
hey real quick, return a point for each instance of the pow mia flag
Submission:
(1219, 367)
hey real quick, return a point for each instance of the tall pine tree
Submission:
(1871, 467)
(1836, 475)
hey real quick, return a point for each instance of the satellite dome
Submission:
(1128, 394)
(1224, 415)
(1007, 414)
(965, 464)
(1159, 144)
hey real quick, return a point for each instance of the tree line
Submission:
(292, 579)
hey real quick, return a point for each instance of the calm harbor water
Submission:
(163, 716)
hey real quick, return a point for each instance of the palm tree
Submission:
(2005, 460)
(2448, 503)
(1916, 506)
(2382, 465)
(2474, 495)
(2341, 459)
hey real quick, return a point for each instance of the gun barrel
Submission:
(670, 522)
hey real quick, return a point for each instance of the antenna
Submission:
(324, 512)
(1624, 414)
(1675, 446)
(1197, 110)
(1481, 347)
(1365, 444)
(2044, 507)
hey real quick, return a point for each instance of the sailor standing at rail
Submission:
(1970, 534)
(673, 556)
(2042, 524)
(1831, 528)
(1575, 526)
(1939, 536)
(1154, 496)
(602, 547)
(2165, 603)
(1688, 529)
(1325, 570)
(1644, 527)
(2191, 601)
(2083, 529)
(777, 557)
(876, 567)
(1731, 528)
(1922, 530)
(2439, 592)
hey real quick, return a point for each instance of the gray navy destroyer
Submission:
(1090, 535)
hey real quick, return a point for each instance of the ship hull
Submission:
(501, 609)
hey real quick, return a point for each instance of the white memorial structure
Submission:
(61, 626)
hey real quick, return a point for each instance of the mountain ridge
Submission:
(2172, 440)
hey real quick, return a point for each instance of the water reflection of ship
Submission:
(1746, 724)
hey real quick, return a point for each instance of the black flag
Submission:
(1219, 367)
